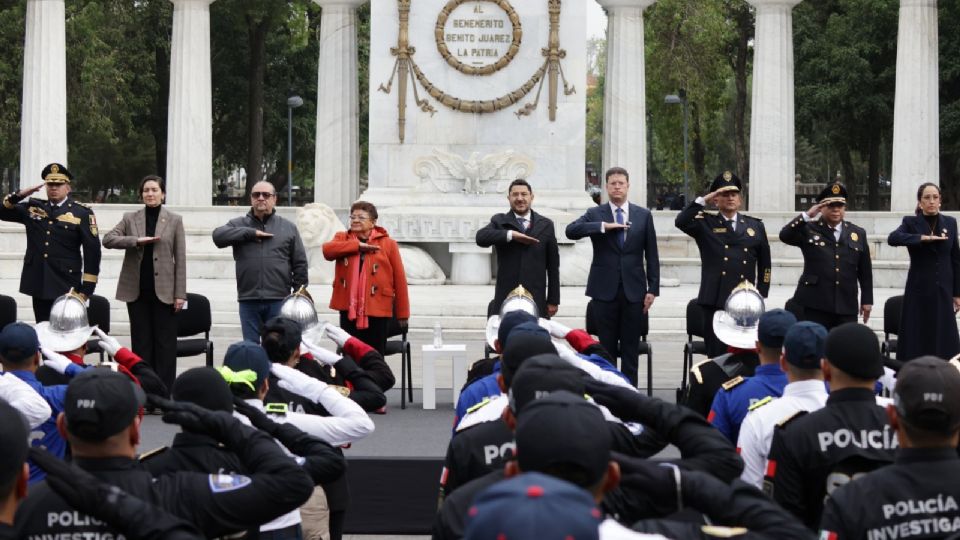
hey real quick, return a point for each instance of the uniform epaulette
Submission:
(146, 456)
(699, 215)
(719, 531)
(483, 403)
(85, 205)
(783, 422)
(750, 217)
(760, 403)
(696, 370)
(733, 382)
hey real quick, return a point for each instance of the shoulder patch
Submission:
(718, 531)
(732, 383)
(483, 403)
(760, 403)
(279, 409)
(220, 483)
(784, 421)
(146, 456)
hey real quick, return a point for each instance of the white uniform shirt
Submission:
(25, 399)
(756, 432)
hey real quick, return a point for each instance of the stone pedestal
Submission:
(190, 117)
(624, 100)
(916, 115)
(471, 264)
(772, 139)
(43, 126)
(337, 169)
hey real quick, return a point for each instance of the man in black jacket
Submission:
(527, 254)
(835, 257)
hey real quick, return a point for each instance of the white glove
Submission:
(298, 383)
(319, 354)
(336, 334)
(556, 329)
(55, 360)
(107, 342)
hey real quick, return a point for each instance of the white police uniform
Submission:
(756, 432)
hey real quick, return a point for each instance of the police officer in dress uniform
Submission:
(57, 229)
(813, 454)
(835, 257)
(918, 495)
(733, 247)
(736, 326)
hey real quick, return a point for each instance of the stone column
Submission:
(190, 116)
(624, 99)
(43, 126)
(916, 114)
(772, 139)
(337, 169)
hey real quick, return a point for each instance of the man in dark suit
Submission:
(622, 291)
(733, 247)
(527, 252)
(835, 257)
(58, 230)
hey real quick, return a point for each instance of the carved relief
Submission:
(447, 172)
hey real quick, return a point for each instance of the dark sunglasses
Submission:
(261, 195)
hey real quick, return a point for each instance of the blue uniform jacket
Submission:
(730, 406)
(46, 435)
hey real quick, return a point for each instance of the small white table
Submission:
(458, 354)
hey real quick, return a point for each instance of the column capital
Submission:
(192, 2)
(918, 3)
(345, 3)
(773, 3)
(613, 4)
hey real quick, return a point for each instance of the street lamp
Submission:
(681, 99)
(293, 102)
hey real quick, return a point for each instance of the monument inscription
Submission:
(478, 37)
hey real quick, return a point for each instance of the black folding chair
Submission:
(891, 325)
(8, 310)
(402, 347)
(645, 347)
(194, 320)
(695, 328)
(98, 313)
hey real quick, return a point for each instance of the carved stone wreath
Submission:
(478, 70)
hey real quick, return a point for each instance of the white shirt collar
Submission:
(524, 216)
(809, 387)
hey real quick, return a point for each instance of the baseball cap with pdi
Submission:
(927, 394)
(100, 403)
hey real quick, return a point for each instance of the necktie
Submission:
(732, 224)
(621, 233)
(526, 224)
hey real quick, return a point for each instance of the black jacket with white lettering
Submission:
(813, 454)
(917, 497)
(217, 504)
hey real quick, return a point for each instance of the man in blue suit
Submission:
(622, 290)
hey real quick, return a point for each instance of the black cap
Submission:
(522, 346)
(510, 321)
(541, 375)
(773, 326)
(205, 387)
(854, 349)
(564, 429)
(244, 355)
(533, 505)
(100, 403)
(56, 173)
(833, 193)
(18, 341)
(726, 181)
(289, 337)
(804, 345)
(13, 441)
(927, 395)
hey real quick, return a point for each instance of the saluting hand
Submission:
(607, 227)
(814, 210)
(367, 248)
(709, 197)
(29, 191)
(263, 234)
(932, 238)
(523, 238)
(143, 240)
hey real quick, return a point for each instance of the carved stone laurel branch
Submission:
(406, 70)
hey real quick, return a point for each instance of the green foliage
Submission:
(11, 83)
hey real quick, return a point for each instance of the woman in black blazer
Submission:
(931, 299)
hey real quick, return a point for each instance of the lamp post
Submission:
(681, 99)
(293, 102)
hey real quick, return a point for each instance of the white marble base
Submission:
(471, 264)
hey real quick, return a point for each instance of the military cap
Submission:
(56, 173)
(833, 193)
(727, 181)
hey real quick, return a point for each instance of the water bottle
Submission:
(437, 335)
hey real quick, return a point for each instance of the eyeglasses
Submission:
(261, 195)
(359, 218)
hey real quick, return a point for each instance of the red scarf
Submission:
(358, 289)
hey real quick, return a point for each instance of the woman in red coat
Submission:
(369, 286)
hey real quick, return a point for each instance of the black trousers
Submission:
(715, 347)
(153, 334)
(41, 309)
(827, 319)
(374, 335)
(618, 327)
